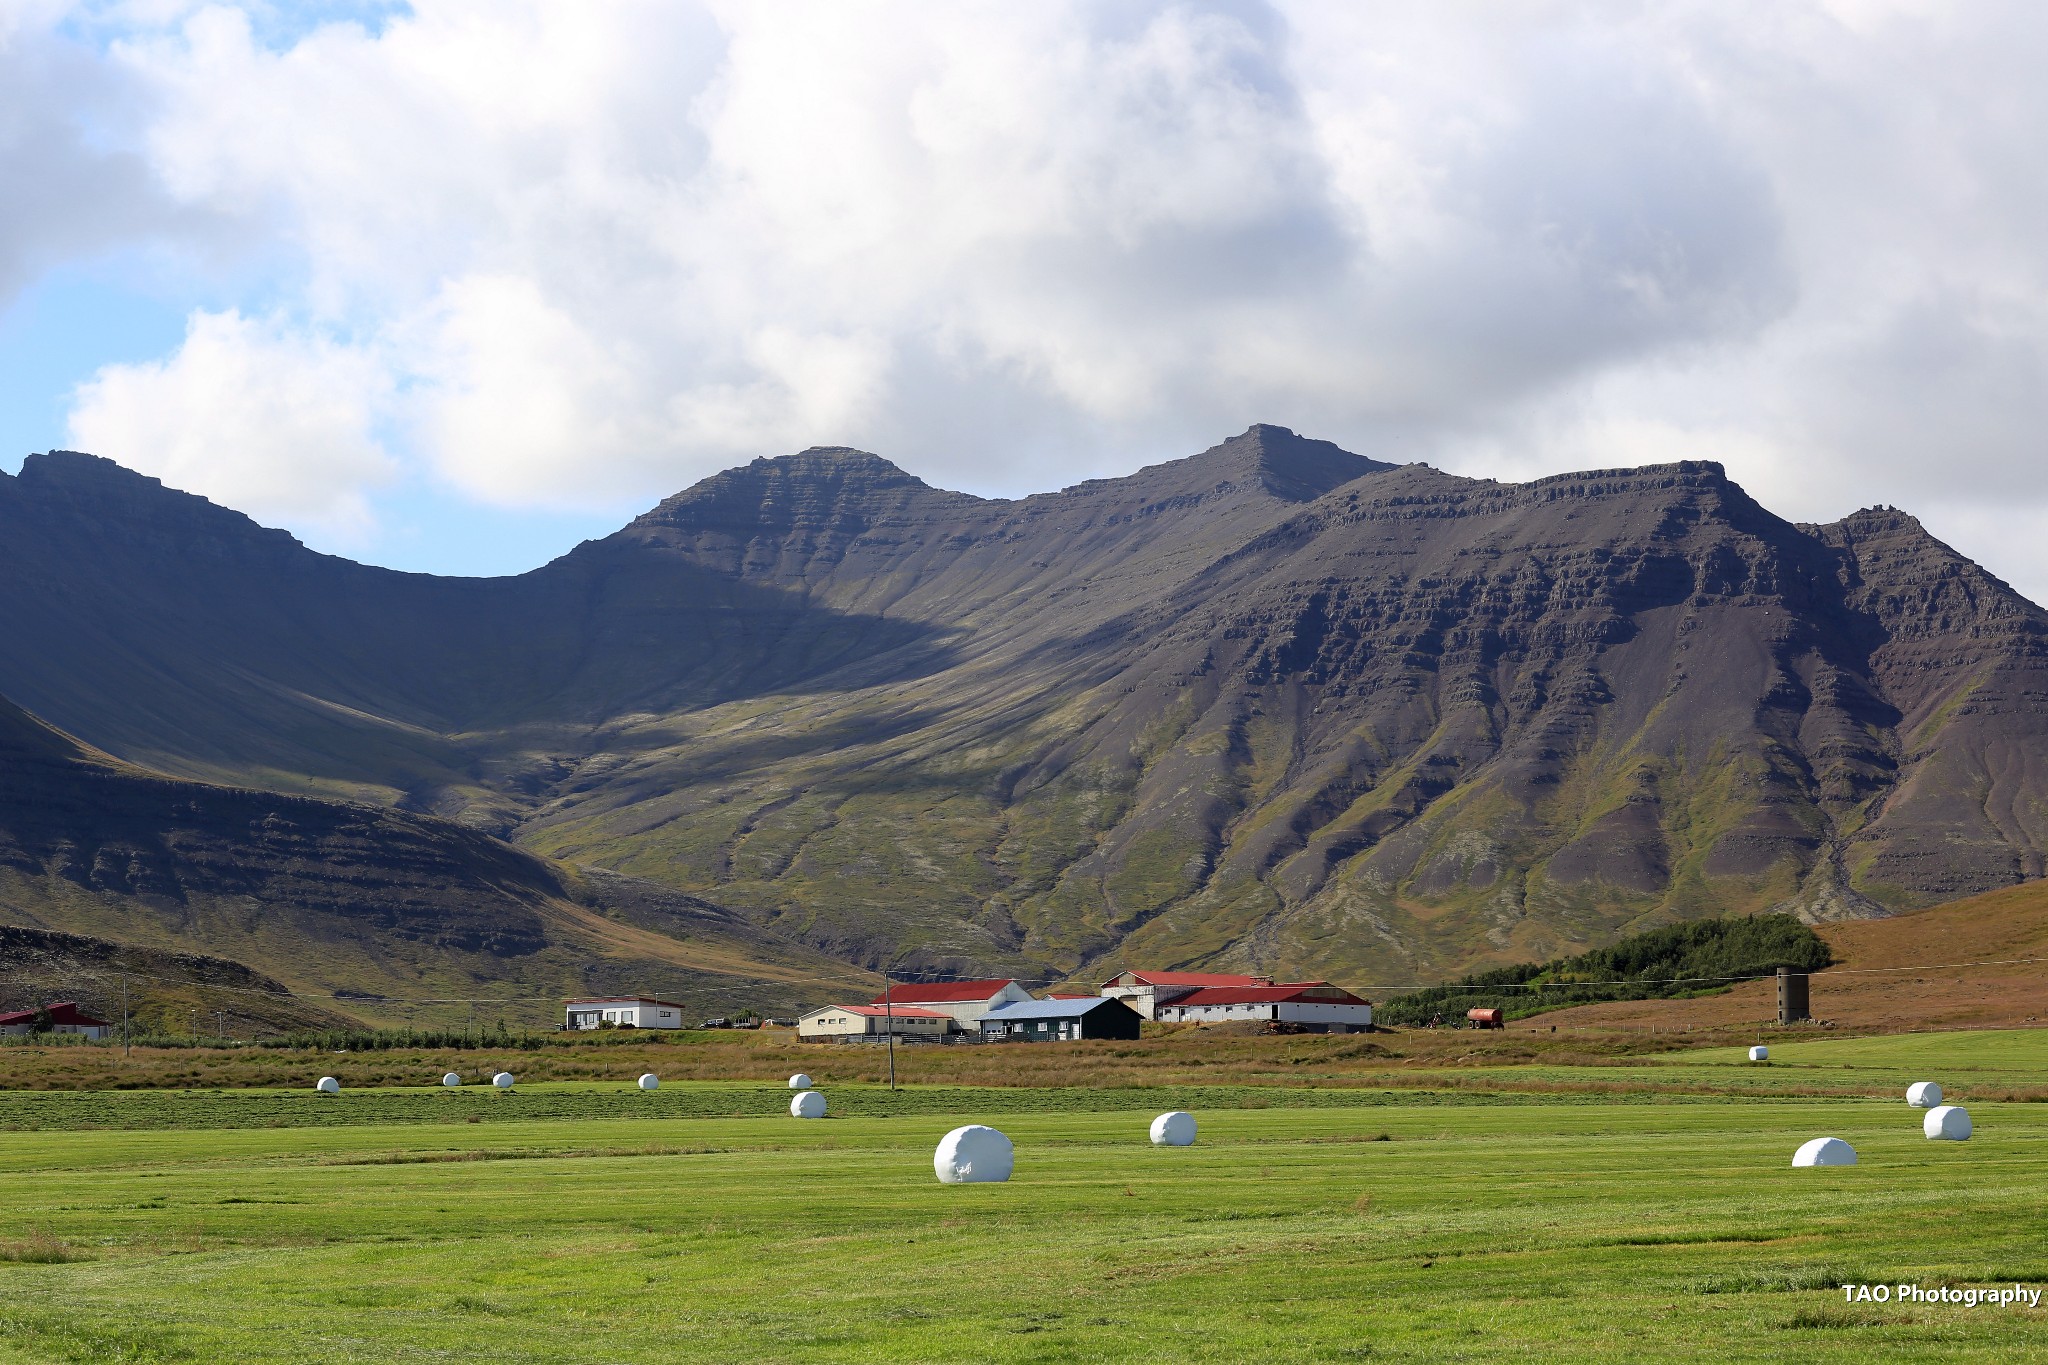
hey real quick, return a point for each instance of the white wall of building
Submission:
(1320, 1012)
(1283, 1011)
(838, 1022)
(588, 1014)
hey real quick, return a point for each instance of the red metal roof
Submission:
(943, 992)
(65, 1012)
(878, 1011)
(1324, 994)
(1192, 979)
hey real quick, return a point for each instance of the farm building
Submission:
(963, 1001)
(1314, 1006)
(65, 1018)
(871, 1021)
(1146, 991)
(1057, 1020)
(629, 1011)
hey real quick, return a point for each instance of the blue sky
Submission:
(452, 285)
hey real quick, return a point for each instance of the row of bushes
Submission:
(1699, 957)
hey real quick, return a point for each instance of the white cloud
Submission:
(253, 414)
(604, 250)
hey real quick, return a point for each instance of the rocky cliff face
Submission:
(1274, 706)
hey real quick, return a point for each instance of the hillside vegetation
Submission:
(1679, 959)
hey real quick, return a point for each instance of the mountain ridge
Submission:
(1272, 706)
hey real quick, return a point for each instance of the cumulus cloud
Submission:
(253, 414)
(577, 253)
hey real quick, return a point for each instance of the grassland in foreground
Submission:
(1340, 1225)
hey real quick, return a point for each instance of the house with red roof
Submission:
(1309, 1006)
(836, 1022)
(1146, 991)
(64, 1017)
(963, 1001)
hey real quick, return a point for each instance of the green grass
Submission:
(1328, 1226)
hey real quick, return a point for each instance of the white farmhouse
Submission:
(963, 1001)
(629, 1011)
(1312, 1006)
(870, 1021)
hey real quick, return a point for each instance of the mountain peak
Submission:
(114, 500)
(835, 486)
(1287, 466)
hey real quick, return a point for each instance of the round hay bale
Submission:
(1176, 1129)
(1759, 1054)
(1825, 1151)
(808, 1104)
(650, 1081)
(327, 1085)
(453, 1078)
(503, 1080)
(1947, 1123)
(1923, 1094)
(799, 1082)
(973, 1155)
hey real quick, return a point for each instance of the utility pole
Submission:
(127, 1045)
(889, 1013)
(220, 1026)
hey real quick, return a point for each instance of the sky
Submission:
(450, 285)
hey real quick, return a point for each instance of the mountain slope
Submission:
(367, 904)
(1274, 706)
(1419, 723)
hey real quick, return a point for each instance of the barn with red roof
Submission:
(1146, 991)
(963, 1001)
(64, 1017)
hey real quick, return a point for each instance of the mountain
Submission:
(163, 992)
(1273, 707)
(184, 884)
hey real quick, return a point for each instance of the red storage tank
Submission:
(1487, 1018)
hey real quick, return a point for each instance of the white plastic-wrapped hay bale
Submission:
(503, 1080)
(807, 1104)
(973, 1155)
(799, 1082)
(1176, 1129)
(1923, 1094)
(1759, 1054)
(650, 1081)
(452, 1079)
(327, 1085)
(1825, 1151)
(1947, 1123)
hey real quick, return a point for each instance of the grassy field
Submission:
(582, 1222)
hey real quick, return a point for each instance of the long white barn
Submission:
(1315, 1006)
